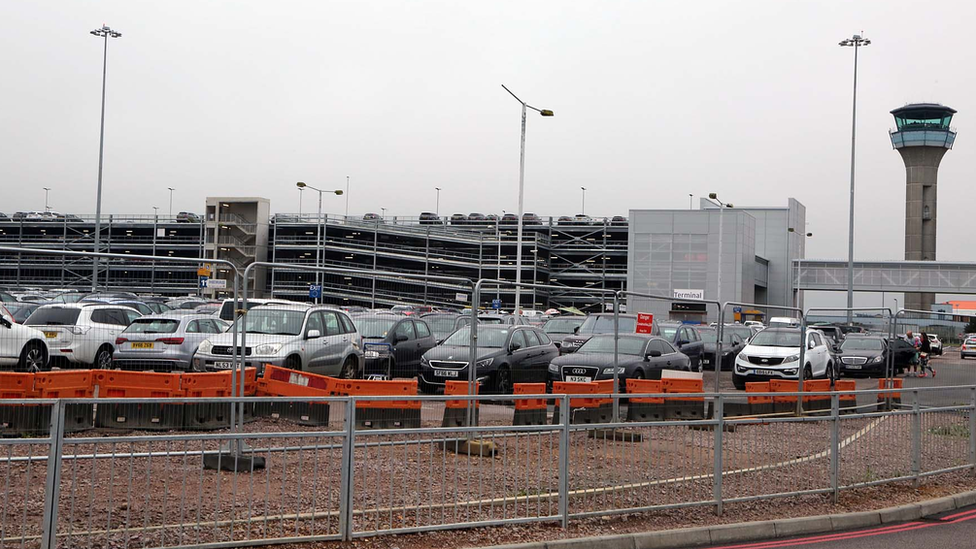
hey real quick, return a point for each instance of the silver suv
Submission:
(317, 339)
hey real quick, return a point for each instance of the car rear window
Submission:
(153, 326)
(54, 316)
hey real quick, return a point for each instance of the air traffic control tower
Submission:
(922, 135)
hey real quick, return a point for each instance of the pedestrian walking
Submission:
(913, 363)
(925, 353)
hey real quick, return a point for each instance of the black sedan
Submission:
(601, 323)
(732, 345)
(638, 357)
(505, 355)
(685, 338)
(868, 355)
(444, 324)
(393, 344)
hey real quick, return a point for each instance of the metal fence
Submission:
(341, 479)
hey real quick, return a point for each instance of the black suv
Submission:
(430, 218)
(393, 344)
(505, 355)
(601, 323)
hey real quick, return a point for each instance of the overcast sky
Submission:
(653, 100)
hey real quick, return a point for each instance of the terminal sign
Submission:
(689, 294)
(645, 322)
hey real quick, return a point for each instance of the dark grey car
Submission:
(638, 357)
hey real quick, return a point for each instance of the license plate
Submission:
(445, 373)
(142, 345)
(706, 361)
(223, 365)
(578, 379)
(853, 366)
(50, 335)
(766, 372)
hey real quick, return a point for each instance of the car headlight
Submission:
(609, 371)
(877, 360)
(554, 368)
(205, 347)
(484, 363)
(791, 358)
(267, 349)
(743, 358)
(371, 354)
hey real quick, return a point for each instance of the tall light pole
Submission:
(319, 255)
(105, 33)
(347, 198)
(583, 202)
(794, 301)
(691, 198)
(301, 194)
(521, 208)
(171, 189)
(721, 209)
(437, 201)
(47, 190)
(856, 42)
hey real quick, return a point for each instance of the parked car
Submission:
(744, 332)
(475, 218)
(7, 298)
(868, 355)
(371, 216)
(393, 345)
(82, 334)
(22, 348)
(935, 344)
(968, 348)
(509, 219)
(430, 218)
(188, 304)
(187, 217)
(638, 357)
(732, 345)
(459, 219)
(444, 324)
(529, 218)
(600, 323)
(618, 220)
(158, 308)
(564, 220)
(228, 306)
(69, 298)
(582, 219)
(492, 219)
(318, 339)
(19, 312)
(3, 217)
(505, 355)
(685, 338)
(561, 327)
(774, 353)
(163, 343)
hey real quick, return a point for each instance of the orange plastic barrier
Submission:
(784, 386)
(530, 389)
(362, 387)
(461, 388)
(216, 384)
(122, 384)
(64, 384)
(574, 388)
(295, 377)
(273, 387)
(648, 386)
(883, 384)
(758, 387)
(14, 385)
(816, 386)
(846, 399)
(684, 386)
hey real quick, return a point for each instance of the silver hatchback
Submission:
(164, 342)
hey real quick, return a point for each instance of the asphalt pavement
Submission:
(954, 529)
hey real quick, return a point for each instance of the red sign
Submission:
(645, 321)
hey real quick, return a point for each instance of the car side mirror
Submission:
(682, 342)
(652, 354)
(440, 341)
(399, 338)
(514, 347)
(313, 334)
(811, 345)
(576, 329)
(5, 323)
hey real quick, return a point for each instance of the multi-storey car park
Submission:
(574, 255)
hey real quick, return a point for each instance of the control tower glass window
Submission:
(912, 122)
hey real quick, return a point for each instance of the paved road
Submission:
(956, 529)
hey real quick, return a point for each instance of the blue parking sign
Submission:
(496, 304)
(203, 281)
(315, 291)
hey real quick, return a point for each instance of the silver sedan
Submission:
(163, 343)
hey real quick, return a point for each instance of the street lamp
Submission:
(721, 208)
(171, 189)
(105, 33)
(319, 231)
(583, 203)
(301, 194)
(437, 202)
(521, 195)
(383, 214)
(856, 42)
(46, 191)
(793, 300)
(347, 198)
(691, 198)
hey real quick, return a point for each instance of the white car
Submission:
(935, 344)
(81, 334)
(21, 347)
(774, 353)
(968, 348)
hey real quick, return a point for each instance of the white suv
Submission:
(20, 346)
(81, 334)
(774, 353)
(318, 339)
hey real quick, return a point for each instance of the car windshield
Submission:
(604, 325)
(441, 325)
(562, 325)
(861, 344)
(604, 345)
(777, 338)
(262, 320)
(152, 326)
(491, 320)
(744, 333)
(711, 336)
(53, 316)
(669, 331)
(486, 337)
(372, 327)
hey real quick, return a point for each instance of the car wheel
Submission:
(739, 383)
(348, 368)
(33, 358)
(503, 381)
(700, 367)
(103, 358)
(808, 372)
(294, 362)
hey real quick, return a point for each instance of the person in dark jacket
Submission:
(925, 352)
